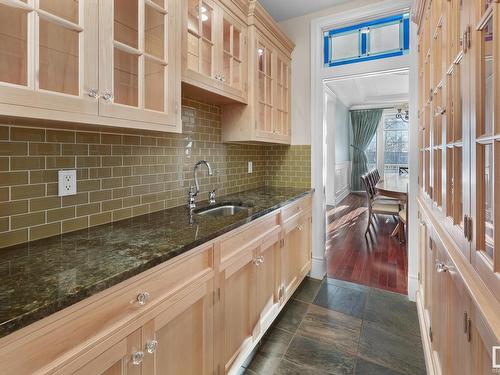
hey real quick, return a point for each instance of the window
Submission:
(395, 143)
(376, 39)
(371, 153)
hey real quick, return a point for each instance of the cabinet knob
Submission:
(142, 298)
(93, 93)
(300, 227)
(137, 358)
(258, 260)
(151, 346)
(107, 96)
(441, 267)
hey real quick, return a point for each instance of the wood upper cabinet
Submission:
(267, 116)
(214, 49)
(101, 62)
(48, 56)
(485, 144)
(459, 107)
(138, 60)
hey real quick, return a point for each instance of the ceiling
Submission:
(372, 90)
(282, 10)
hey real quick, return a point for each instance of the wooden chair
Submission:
(378, 206)
(374, 178)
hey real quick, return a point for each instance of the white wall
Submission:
(330, 116)
(342, 133)
(299, 31)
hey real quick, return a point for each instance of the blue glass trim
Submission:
(326, 49)
(406, 28)
(364, 40)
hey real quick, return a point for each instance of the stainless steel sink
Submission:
(222, 210)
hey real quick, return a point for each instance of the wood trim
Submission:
(259, 17)
(426, 342)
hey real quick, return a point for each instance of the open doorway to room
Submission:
(367, 116)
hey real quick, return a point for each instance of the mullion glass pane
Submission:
(226, 36)
(154, 80)
(487, 209)
(58, 59)
(449, 182)
(384, 39)
(457, 186)
(193, 17)
(67, 9)
(126, 83)
(206, 16)
(126, 16)
(487, 77)
(345, 46)
(13, 45)
(154, 33)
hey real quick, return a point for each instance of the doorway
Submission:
(377, 259)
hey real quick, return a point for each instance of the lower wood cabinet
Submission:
(296, 259)
(116, 360)
(201, 314)
(459, 324)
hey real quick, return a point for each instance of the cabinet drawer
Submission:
(94, 320)
(233, 246)
(302, 205)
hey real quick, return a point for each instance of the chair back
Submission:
(377, 175)
(365, 181)
(372, 180)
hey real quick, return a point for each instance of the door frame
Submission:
(318, 75)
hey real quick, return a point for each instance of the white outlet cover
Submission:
(67, 182)
(250, 167)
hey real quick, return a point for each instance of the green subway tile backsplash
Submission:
(123, 175)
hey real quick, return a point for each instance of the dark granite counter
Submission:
(42, 277)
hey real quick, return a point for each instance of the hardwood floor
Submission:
(377, 259)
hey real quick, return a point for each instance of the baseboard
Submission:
(341, 195)
(318, 268)
(432, 369)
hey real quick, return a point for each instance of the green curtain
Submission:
(364, 126)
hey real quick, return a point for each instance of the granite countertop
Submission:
(42, 277)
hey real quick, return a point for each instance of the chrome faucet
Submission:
(194, 190)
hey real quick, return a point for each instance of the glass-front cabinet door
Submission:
(485, 145)
(282, 120)
(456, 119)
(201, 35)
(138, 55)
(48, 55)
(265, 56)
(233, 55)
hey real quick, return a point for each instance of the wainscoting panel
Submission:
(342, 180)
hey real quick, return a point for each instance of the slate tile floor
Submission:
(337, 327)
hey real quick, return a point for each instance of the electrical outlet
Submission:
(67, 182)
(250, 167)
